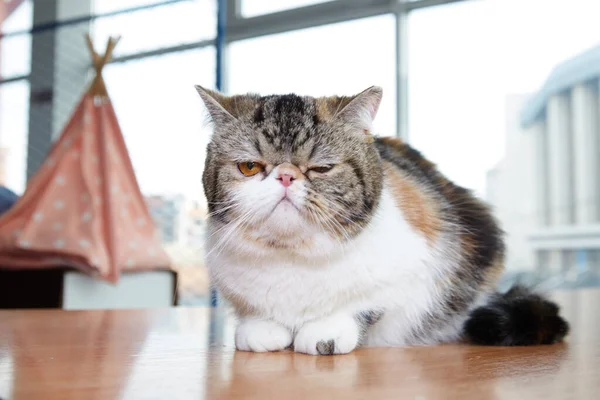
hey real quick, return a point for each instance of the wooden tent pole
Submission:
(98, 87)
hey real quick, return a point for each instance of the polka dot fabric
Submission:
(83, 208)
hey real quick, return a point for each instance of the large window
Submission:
(474, 66)
(338, 59)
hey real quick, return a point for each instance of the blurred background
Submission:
(502, 94)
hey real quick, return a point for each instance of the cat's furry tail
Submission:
(518, 317)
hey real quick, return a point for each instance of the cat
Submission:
(324, 237)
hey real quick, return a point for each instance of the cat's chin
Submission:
(287, 230)
(304, 246)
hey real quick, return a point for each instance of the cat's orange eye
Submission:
(250, 168)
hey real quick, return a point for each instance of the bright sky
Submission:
(465, 59)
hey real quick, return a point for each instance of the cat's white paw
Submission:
(334, 335)
(261, 336)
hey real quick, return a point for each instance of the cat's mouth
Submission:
(285, 202)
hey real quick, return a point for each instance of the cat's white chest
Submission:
(384, 268)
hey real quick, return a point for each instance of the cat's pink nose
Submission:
(286, 179)
(287, 173)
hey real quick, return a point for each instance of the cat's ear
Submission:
(361, 109)
(222, 108)
(216, 103)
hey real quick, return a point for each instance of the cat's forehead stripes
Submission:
(321, 109)
(286, 122)
(291, 123)
(278, 107)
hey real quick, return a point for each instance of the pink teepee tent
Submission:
(84, 208)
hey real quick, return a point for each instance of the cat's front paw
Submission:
(261, 335)
(334, 335)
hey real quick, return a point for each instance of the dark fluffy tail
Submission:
(518, 317)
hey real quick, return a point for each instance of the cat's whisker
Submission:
(325, 220)
(324, 225)
(240, 226)
(221, 241)
(338, 240)
(225, 226)
(335, 207)
(222, 210)
(330, 208)
(222, 202)
(229, 235)
(338, 211)
(219, 230)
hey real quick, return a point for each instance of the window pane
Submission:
(158, 27)
(253, 8)
(14, 117)
(15, 51)
(475, 68)
(335, 59)
(162, 119)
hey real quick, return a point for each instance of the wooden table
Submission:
(187, 353)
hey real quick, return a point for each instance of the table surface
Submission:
(187, 353)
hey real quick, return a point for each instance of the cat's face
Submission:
(283, 172)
